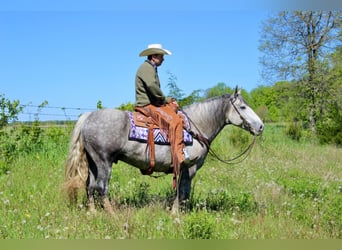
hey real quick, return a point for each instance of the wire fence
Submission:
(50, 113)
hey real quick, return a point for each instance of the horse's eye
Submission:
(242, 107)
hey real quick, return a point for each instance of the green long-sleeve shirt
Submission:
(147, 87)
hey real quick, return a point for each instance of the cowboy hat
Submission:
(153, 49)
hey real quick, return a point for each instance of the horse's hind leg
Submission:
(91, 186)
(98, 181)
(104, 173)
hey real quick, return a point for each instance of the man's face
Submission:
(158, 59)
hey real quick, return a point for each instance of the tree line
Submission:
(301, 67)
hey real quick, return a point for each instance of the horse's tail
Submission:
(76, 167)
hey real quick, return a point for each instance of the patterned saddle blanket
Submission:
(139, 131)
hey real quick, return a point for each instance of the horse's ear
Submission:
(236, 91)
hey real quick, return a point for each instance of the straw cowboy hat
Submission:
(153, 49)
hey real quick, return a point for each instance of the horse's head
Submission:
(241, 115)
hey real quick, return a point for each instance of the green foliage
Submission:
(174, 90)
(225, 200)
(16, 141)
(199, 225)
(218, 90)
(194, 97)
(238, 137)
(287, 101)
(9, 110)
(7, 151)
(99, 105)
(28, 138)
(311, 195)
(300, 52)
(329, 127)
(275, 103)
(56, 134)
(329, 130)
(333, 213)
(284, 189)
(139, 194)
(128, 106)
(294, 130)
(303, 187)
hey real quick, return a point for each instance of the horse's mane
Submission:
(208, 112)
(203, 104)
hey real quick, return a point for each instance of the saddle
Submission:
(144, 129)
(140, 125)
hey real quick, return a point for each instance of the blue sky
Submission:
(74, 55)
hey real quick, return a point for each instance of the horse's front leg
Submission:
(183, 188)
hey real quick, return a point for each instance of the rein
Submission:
(243, 154)
(204, 140)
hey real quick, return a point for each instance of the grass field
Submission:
(284, 190)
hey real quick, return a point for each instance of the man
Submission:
(151, 100)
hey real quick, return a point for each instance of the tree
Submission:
(195, 96)
(330, 127)
(218, 90)
(294, 45)
(99, 105)
(178, 94)
(264, 99)
(128, 106)
(174, 90)
(9, 110)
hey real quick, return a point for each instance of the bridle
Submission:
(245, 123)
(244, 154)
(203, 140)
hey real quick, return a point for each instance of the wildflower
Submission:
(160, 225)
(177, 220)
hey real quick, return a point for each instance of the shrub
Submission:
(294, 130)
(225, 200)
(199, 225)
(9, 110)
(239, 137)
(333, 216)
(55, 134)
(7, 151)
(329, 130)
(15, 141)
(139, 194)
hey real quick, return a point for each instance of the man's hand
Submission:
(174, 104)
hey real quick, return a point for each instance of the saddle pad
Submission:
(138, 133)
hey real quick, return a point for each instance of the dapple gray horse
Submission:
(100, 138)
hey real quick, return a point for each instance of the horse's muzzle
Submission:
(257, 129)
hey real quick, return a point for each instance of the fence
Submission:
(50, 113)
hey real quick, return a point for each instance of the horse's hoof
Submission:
(108, 207)
(175, 210)
(91, 211)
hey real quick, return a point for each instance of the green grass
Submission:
(284, 190)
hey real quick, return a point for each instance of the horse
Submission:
(100, 138)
